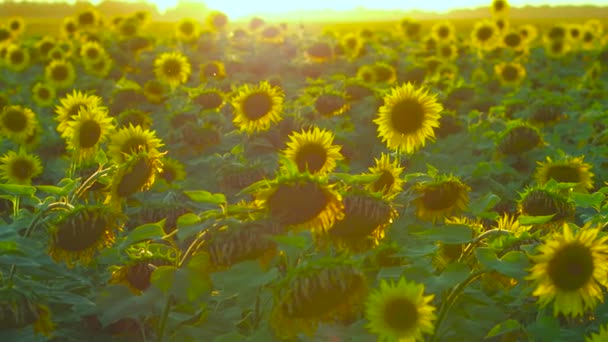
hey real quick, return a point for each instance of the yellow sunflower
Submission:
(601, 336)
(79, 234)
(131, 140)
(16, 26)
(331, 103)
(217, 20)
(101, 68)
(313, 151)
(571, 269)
(566, 170)
(20, 167)
(514, 41)
(154, 91)
(137, 173)
(172, 68)
(187, 30)
(258, 107)
(400, 311)
(389, 181)
(17, 58)
(19, 309)
(60, 74)
(212, 70)
(208, 98)
(442, 197)
(134, 117)
(17, 123)
(384, 73)
(352, 44)
(443, 31)
(528, 32)
(71, 104)
(540, 201)
(510, 74)
(86, 131)
(366, 74)
(69, 27)
(173, 170)
(447, 51)
(499, 8)
(43, 94)
(408, 117)
(92, 52)
(556, 48)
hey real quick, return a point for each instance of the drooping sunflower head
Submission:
(519, 138)
(130, 140)
(172, 68)
(17, 123)
(566, 170)
(257, 107)
(320, 291)
(60, 73)
(187, 30)
(43, 94)
(137, 173)
(20, 167)
(499, 8)
(86, 131)
(136, 272)
(78, 235)
(443, 31)
(400, 311)
(543, 201)
(19, 309)
(17, 58)
(172, 170)
(134, 117)
(212, 70)
(442, 197)
(313, 151)
(407, 118)
(570, 269)
(510, 74)
(389, 182)
(70, 106)
(208, 99)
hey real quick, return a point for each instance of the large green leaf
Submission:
(451, 276)
(483, 204)
(202, 196)
(503, 328)
(593, 200)
(148, 231)
(513, 264)
(452, 234)
(532, 220)
(17, 190)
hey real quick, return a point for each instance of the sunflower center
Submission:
(92, 53)
(128, 28)
(400, 314)
(80, 231)
(4, 34)
(351, 43)
(257, 105)
(297, 203)
(384, 182)
(564, 173)
(588, 37)
(17, 57)
(311, 157)
(441, 196)
(135, 179)
(138, 275)
(44, 93)
(520, 139)
(14, 120)
(22, 169)
(209, 100)
(446, 51)
(501, 23)
(134, 145)
(407, 116)
(211, 70)
(172, 67)
(383, 73)
(499, 6)
(510, 73)
(187, 28)
(60, 73)
(557, 47)
(328, 104)
(70, 27)
(571, 267)
(512, 39)
(86, 18)
(90, 132)
(443, 32)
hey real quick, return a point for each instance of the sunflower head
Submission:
(43, 94)
(389, 181)
(72, 104)
(544, 201)
(400, 311)
(212, 70)
(513, 40)
(154, 91)
(499, 7)
(443, 31)
(19, 309)
(217, 20)
(172, 68)
(187, 30)
(137, 173)
(136, 272)
(17, 58)
(60, 73)
(131, 140)
(519, 138)
(384, 73)
(442, 197)
(17, 123)
(570, 269)
(92, 52)
(20, 167)
(556, 48)
(134, 117)
(172, 170)
(319, 52)
(510, 74)
(78, 235)
(566, 170)
(407, 118)
(528, 33)
(257, 107)
(208, 99)
(313, 151)
(411, 28)
(87, 131)
(447, 51)
(69, 27)
(330, 103)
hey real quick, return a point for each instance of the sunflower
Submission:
(137, 173)
(325, 291)
(172, 68)
(502, 23)
(71, 104)
(5, 36)
(443, 31)
(366, 74)
(212, 70)
(389, 181)
(80, 233)
(88, 18)
(300, 200)
(352, 44)
(384, 73)
(313, 151)
(20, 167)
(56, 53)
(542, 201)
(128, 27)
(208, 98)
(17, 58)
(136, 272)
(16, 26)
(60, 74)
(134, 117)
(87, 131)
(258, 107)
(510, 74)
(172, 170)
(43, 94)
(556, 48)
(601, 336)
(408, 117)
(19, 309)
(100, 68)
(514, 41)
(271, 34)
(571, 269)
(442, 197)
(69, 27)
(154, 91)
(447, 51)
(92, 52)
(400, 311)
(566, 170)
(589, 39)
(217, 20)
(499, 8)
(519, 138)
(528, 32)
(131, 140)
(319, 52)
(187, 30)
(17, 123)
(331, 103)
(411, 28)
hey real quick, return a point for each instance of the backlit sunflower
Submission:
(514, 41)
(60, 74)
(389, 181)
(442, 197)
(571, 269)
(208, 98)
(400, 311)
(172, 170)
(322, 292)
(154, 91)
(100, 68)
(443, 31)
(541, 201)
(92, 52)
(510, 74)
(71, 104)
(313, 151)
(79, 234)
(217, 20)
(43, 94)
(19, 309)
(137, 173)
(566, 170)
(556, 48)
(366, 74)
(172, 68)
(384, 73)
(331, 102)
(187, 30)
(212, 70)
(17, 58)
(16, 26)
(600, 336)
(137, 271)
(300, 200)
(57, 53)
(257, 107)
(352, 44)
(319, 52)
(134, 117)
(499, 8)
(17, 123)
(447, 51)
(528, 32)
(20, 167)
(408, 117)
(130, 140)
(87, 131)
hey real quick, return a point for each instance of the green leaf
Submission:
(453, 274)
(189, 224)
(22, 261)
(545, 329)
(297, 241)
(453, 234)
(64, 187)
(162, 277)
(503, 328)
(483, 204)
(593, 200)
(513, 264)
(532, 220)
(148, 231)
(188, 283)
(18, 190)
(356, 179)
(390, 273)
(9, 247)
(230, 337)
(202, 196)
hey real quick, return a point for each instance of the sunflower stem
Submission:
(89, 181)
(478, 239)
(163, 319)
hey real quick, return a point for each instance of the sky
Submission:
(238, 8)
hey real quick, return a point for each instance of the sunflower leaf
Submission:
(512, 264)
(532, 220)
(483, 204)
(202, 196)
(593, 200)
(148, 231)
(18, 190)
(453, 234)
(503, 328)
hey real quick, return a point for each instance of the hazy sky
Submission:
(237, 8)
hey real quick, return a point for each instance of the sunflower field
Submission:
(270, 182)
